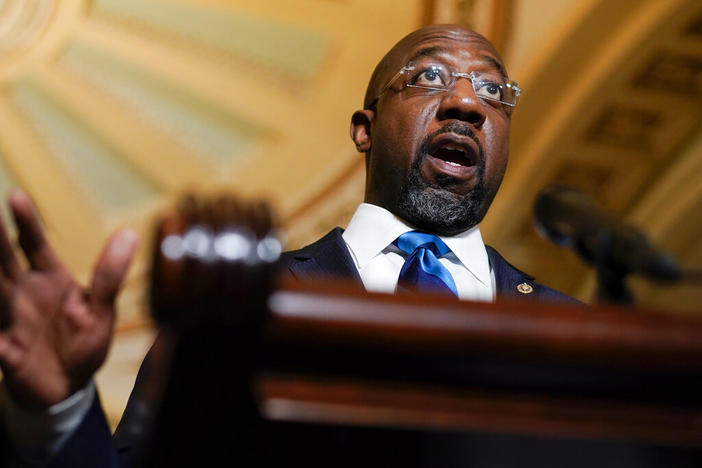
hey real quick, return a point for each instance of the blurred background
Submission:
(110, 109)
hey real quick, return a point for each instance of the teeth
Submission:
(453, 147)
(452, 163)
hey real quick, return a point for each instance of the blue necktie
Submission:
(422, 272)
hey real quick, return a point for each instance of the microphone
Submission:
(571, 218)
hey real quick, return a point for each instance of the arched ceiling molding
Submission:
(332, 206)
(665, 204)
(22, 23)
(491, 18)
(629, 104)
(561, 94)
(543, 50)
(49, 36)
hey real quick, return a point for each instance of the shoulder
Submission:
(513, 283)
(319, 247)
(326, 258)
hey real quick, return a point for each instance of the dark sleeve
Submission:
(6, 452)
(130, 435)
(90, 446)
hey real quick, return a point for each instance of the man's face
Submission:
(436, 159)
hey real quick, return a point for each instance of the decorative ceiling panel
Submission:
(295, 51)
(205, 129)
(88, 161)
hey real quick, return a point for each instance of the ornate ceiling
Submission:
(111, 108)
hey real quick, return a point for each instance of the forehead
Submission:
(463, 47)
(455, 44)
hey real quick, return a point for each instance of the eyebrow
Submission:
(436, 50)
(427, 51)
(495, 64)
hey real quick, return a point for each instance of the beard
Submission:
(435, 208)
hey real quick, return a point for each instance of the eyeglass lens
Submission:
(432, 75)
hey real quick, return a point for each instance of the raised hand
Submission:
(54, 334)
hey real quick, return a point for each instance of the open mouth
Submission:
(456, 152)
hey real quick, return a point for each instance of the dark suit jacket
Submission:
(329, 258)
(91, 447)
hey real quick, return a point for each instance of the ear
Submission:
(361, 129)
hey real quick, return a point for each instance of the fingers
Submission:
(9, 270)
(9, 266)
(31, 235)
(111, 268)
(9, 355)
(4, 349)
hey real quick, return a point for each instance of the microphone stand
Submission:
(570, 217)
(611, 281)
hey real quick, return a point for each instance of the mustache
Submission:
(457, 128)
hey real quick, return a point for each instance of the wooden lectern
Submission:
(259, 373)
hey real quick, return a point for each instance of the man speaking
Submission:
(435, 132)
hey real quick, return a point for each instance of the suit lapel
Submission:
(507, 277)
(328, 257)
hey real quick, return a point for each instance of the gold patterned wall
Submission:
(111, 108)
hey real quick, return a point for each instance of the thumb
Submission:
(111, 268)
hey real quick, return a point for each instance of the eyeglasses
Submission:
(422, 76)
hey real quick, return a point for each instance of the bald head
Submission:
(402, 52)
(435, 157)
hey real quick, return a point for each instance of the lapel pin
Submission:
(525, 288)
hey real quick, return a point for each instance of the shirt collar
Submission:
(370, 231)
(470, 250)
(373, 228)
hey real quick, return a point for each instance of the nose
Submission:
(461, 103)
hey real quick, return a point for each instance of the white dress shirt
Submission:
(369, 238)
